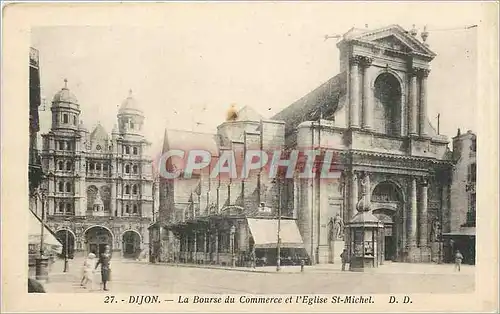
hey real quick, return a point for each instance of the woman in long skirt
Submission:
(104, 261)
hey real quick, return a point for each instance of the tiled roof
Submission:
(324, 99)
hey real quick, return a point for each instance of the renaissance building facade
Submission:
(99, 185)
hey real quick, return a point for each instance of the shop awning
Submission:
(265, 233)
(49, 238)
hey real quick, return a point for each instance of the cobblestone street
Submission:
(142, 277)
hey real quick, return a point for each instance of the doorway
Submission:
(389, 251)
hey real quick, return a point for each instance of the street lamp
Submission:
(42, 262)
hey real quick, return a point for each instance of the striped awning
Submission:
(265, 233)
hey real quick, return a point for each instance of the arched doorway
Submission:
(67, 238)
(96, 239)
(131, 244)
(387, 104)
(387, 201)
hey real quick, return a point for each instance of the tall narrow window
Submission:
(135, 209)
(61, 187)
(60, 164)
(68, 187)
(127, 189)
(134, 149)
(127, 209)
(127, 150)
(61, 207)
(74, 120)
(61, 145)
(135, 168)
(65, 118)
(127, 168)
(134, 189)
(132, 125)
(68, 165)
(69, 208)
(105, 167)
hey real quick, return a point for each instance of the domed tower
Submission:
(65, 110)
(130, 118)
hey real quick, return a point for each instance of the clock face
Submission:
(98, 147)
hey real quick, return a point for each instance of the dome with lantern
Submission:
(129, 106)
(65, 96)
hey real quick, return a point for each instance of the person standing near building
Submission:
(104, 261)
(88, 271)
(458, 260)
(344, 258)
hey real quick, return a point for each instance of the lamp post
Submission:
(232, 233)
(66, 266)
(278, 243)
(41, 262)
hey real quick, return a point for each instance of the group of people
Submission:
(91, 264)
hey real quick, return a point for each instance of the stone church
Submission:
(99, 185)
(373, 114)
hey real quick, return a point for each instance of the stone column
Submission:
(354, 93)
(217, 246)
(413, 103)
(423, 214)
(353, 194)
(195, 247)
(113, 199)
(412, 241)
(367, 95)
(186, 247)
(205, 244)
(423, 102)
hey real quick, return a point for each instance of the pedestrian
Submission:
(344, 258)
(104, 261)
(88, 271)
(458, 259)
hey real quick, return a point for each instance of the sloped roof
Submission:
(248, 114)
(99, 133)
(189, 140)
(324, 99)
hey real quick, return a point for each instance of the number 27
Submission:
(109, 299)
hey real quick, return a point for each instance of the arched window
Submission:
(135, 209)
(134, 149)
(135, 168)
(68, 165)
(61, 187)
(127, 189)
(68, 187)
(134, 189)
(127, 168)
(61, 166)
(127, 209)
(61, 207)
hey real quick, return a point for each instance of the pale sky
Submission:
(249, 57)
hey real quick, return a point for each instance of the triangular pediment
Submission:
(396, 38)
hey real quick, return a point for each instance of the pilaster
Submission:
(354, 92)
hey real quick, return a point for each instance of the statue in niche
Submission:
(336, 228)
(435, 230)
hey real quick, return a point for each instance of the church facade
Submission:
(99, 185)
(373, 115)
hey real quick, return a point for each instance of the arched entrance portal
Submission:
(96, 239)
(67, 238)
(131, 244)
(387, 201)
(387, 105)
